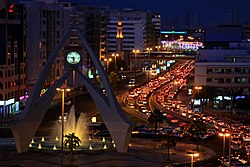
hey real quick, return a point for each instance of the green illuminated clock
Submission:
(73, 58)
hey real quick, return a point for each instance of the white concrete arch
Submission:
(112, 114)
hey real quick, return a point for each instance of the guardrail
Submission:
(153, 103)
(131, 111)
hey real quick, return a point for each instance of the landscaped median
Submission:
(178, 154)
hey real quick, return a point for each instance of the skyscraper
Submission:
(233, 17)
(12, 57)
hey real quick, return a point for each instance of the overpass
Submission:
(164, 55)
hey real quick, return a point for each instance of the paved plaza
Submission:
(142, 153)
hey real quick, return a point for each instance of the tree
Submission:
(114, 80)
(72, 141)
(198, 129)
(208, 92)
(169, 143)
(156, 118)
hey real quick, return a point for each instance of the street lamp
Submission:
(193, 154)
(198, 88)
(135, 52)
(224, 135)
(135, 64)
(157, 48)
(149, 49)
(107, 61)
(115, 55)
(63, 90)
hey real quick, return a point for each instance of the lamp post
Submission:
(157, 48)
(193, 154)
(224, 135)
(135, 52)
(63, 90)
(198, 88)
(115, 55)
(107, 61)
(149, 49)
(135, 66)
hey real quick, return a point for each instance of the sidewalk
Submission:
(142, 153)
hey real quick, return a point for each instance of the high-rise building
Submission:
(119, 37)
(12, 57)
(246, 31)
(222, 35)
(156, 30)
(45, 23)
(233, 17)
(87, 20)
(140, 30)
(224, 69)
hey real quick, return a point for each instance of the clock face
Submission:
(73, 57)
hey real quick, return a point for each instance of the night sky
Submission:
(211, 12)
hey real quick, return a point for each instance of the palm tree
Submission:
(198, 128)
(72, 141)
(169, 143)
(156, 118)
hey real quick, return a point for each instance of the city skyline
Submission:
(210, 12)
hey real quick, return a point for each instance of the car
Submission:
(236, 147)
(131, 101)
(168, 129)
(131, 82)
(123, 76)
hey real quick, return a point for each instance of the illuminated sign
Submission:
(190, 92)
(11, 8)
(168, 64)
(17, 106)
(10, 101)
(90, 74)
(43, 91)
(197, 102)
(173, 32)
(21, 98)
(7, 102)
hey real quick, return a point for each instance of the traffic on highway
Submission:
(162, 92)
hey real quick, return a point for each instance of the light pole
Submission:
(63, 90)
(149, 49)
(135, 52)
(198, 88)
(157, 48)
(115, 55)
(224, 135)
(193, 154)
(107, 61)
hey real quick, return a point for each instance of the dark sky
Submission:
(211, 11)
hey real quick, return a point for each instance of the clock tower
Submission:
(73, 58)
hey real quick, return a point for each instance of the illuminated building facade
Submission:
(12, 58)
(119, 38)
(223, 69)
(178, 41)
(45, 25)
(140, 30)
